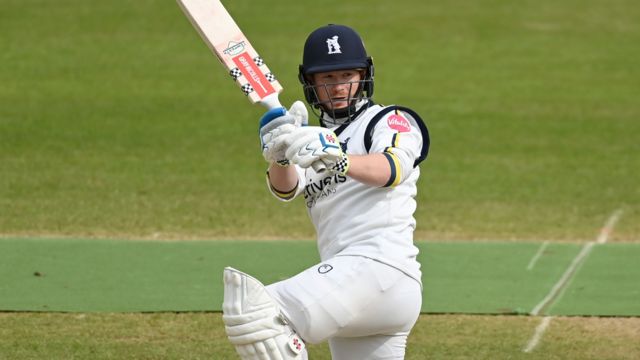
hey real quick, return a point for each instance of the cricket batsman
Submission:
(357, 174)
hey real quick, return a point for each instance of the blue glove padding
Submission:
(275, 125)
(270, 115)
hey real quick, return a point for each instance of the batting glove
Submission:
(275, 125)
(318, 147)
(335, 167)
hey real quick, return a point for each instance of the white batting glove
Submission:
(275, 125)
(318, 147)
(335, 167)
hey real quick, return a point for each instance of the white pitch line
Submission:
(608, 227)
(540, 329)
(535, 257)
(586, 249)
(605, 232)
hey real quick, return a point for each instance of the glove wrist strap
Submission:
(342, 166)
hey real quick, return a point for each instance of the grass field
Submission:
(201, 336)
(91, 275)
(116, 122)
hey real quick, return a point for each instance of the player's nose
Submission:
(340, 88)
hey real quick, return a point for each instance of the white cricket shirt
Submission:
(352, 218)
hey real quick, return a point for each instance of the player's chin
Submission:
(338, 105)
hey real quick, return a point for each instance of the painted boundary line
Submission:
(557, 289)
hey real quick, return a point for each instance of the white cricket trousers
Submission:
(364, 308)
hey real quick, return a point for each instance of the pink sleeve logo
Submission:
(398, 123)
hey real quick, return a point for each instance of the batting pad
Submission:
(253, 321)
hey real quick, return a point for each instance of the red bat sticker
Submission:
(255, 77)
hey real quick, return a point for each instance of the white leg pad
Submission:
(254, 323)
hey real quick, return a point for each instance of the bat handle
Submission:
(319, 166)
(271, 101)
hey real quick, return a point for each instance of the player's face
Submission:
(335, 89)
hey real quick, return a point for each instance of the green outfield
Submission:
(146, 276)
(116, 122)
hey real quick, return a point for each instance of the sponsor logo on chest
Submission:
(319, 188)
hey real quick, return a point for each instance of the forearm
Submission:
(282, 179)
(371, 169)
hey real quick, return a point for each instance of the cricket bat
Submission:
(225, 39)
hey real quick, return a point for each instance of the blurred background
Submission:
(116, 120)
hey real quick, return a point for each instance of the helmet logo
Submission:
(333, 45)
